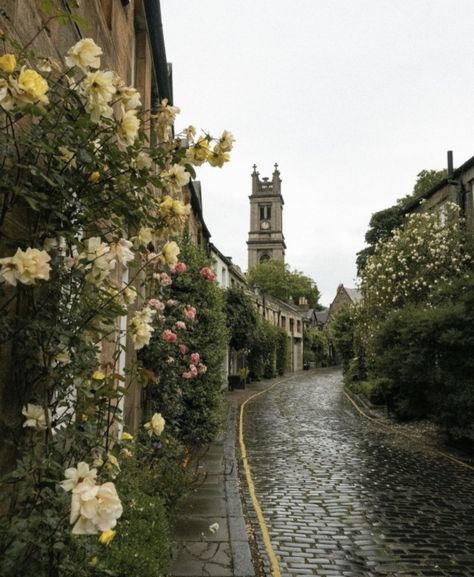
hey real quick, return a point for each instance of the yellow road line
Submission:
(275, 566)
(405, 434)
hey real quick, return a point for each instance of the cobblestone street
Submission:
(343, 497)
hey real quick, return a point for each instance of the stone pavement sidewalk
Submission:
(225, 553)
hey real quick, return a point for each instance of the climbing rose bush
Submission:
(100, 205)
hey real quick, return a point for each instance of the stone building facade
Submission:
(344, 297)
(288, 317)
(266, 240)
(458, 187)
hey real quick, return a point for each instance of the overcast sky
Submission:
(352, 98)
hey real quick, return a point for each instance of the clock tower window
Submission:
(265, 211)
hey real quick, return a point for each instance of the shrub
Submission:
(425, 353)
(142, 546)
(282, 352)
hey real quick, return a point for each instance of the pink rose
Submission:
(182, 348)
(187, 375)
(171, 303)
(151, 256)
(193, 370)
(156, 304)
(178, 268)
(165, 279)
(195, 358)
(169, 336)
(202, 369)
(180, 326)
(189, 312)
(207, 273)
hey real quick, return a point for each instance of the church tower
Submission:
(266, 240)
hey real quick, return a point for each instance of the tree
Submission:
(425, 181)
(276, 279)
(381, 226)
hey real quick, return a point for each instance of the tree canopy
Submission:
(276, 279)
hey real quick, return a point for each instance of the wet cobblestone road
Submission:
(343, 497)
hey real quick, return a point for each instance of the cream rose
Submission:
(84, 54)
(156, 425)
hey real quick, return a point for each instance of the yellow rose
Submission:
(129, 126)
(126, 436)
(107, 536)
(8, 63)
(166, 207)
(170, 253)
(218, 158)
(33, 85)
(200, 150)
(94, 176)
(98, 376)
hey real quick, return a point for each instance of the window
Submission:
(265, 257)
(292, 325)
(298, 326)
(283, 322)
(265, 211)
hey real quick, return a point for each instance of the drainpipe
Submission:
(161, 86)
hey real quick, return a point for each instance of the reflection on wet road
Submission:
(344, 498)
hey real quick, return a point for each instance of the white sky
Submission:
(352, 98)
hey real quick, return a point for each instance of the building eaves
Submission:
(196, 204)
(411, 204)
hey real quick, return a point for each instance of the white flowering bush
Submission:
(89, 203)
(408, 267)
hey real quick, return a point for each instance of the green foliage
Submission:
(425, 355)
(381, 226)
(241, 319)
(282, 352)
(269, 341)
(342, 335)
(373, 390)
(142, 546)
(425, 181)
(316, 342)
(192, 406)
(276, 279)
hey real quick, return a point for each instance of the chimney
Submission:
(303, 303)
(450, 165)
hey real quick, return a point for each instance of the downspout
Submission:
(161, 86)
